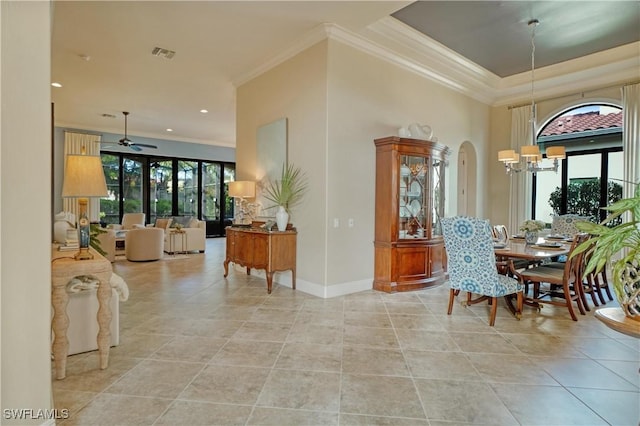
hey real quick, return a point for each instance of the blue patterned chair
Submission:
(565, 224)
(472, 265)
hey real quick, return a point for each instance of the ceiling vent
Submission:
(165, 53)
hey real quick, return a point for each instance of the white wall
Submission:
(338, 100)
(25, 223)
(369, 99)
(295, 90)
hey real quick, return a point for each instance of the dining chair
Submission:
(505, 265)
(559, 286)
(471, 264)
(593, 283)
(565, 224)
(500, 233)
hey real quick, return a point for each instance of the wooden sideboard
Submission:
(257, 248)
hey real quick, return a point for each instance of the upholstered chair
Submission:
(566, 224)
(472, 266)
(143, 244)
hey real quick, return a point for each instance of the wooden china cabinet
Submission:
(410, 190)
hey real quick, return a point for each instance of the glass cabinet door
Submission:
(438, 196)
(413, 201)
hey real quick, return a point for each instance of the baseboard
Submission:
(314, 289)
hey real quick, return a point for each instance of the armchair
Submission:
(129, 221)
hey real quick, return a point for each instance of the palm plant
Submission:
(608, 241)
(289, 190)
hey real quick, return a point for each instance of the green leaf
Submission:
(289, 190)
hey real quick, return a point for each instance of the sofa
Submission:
(182, 234)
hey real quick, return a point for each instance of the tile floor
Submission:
(198, 349)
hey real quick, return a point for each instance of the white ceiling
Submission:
(101, 54)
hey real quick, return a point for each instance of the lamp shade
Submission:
(242, 189)
(530, 151)
(506, 155)
(514, 160)
(84, 177)
(555, 152)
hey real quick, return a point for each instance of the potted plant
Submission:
(531, 228)
(608, 241)
(286, 192)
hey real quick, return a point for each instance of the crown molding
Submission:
(314, 36)
(394, 42)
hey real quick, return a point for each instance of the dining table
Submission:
(516, 248)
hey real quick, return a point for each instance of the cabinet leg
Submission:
(269, 282)
(226, 267)
(248, 271)
(293, 278)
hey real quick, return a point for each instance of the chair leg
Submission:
(583, 305)
(519, 305)
(581, 299)
(605, 284)
(567, 298)
(494, 310)
(452, 294)
(594, 289)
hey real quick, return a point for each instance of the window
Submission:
(188, 188)
(161, 187)
(110, 206)
(588, 178)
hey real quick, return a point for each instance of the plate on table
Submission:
(542, 246)
(556, 237)
(499, 245)
(518, 237)
(549, 245)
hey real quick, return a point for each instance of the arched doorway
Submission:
(467, 176)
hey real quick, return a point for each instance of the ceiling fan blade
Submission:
(144, 145)
(134, 147)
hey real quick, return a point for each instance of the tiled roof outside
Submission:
(582, 122)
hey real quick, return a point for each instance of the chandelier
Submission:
(530, 154)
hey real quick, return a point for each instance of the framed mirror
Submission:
(271, 152)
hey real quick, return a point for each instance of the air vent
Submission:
(108, 115)
(165, 53)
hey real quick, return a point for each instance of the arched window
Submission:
(590, 176)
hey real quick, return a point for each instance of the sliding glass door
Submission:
(162, 187)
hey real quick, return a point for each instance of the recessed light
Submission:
(54, 84)
(169, 130)
(204, 111)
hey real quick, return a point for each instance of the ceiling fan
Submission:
(125, 141)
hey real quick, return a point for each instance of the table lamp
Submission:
(240, 190)
(84, 178)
